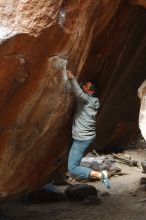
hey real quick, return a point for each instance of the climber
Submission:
(83, 130)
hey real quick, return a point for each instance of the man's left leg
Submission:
(75, 156)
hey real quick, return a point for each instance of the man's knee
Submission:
(72, 171)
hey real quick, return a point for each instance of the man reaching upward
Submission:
(83, 130)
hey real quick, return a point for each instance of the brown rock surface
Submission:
(104, 40)
(139, 2)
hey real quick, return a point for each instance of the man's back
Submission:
(85, 116)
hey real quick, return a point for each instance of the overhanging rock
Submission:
(103, 40)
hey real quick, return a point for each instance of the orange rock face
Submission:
(102, 40)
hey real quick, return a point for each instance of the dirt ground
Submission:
(126, 200)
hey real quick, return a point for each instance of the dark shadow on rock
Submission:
(47, 193)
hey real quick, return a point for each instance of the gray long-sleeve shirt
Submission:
(83, 127)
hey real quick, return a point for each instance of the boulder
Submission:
(80, 191)
(46, 194)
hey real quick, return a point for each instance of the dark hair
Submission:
(93, 87)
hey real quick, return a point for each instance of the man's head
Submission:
(89, 88)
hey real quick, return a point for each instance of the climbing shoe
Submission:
(104, 179)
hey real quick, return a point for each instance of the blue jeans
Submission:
(75, 156)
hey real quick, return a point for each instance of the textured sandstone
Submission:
(103, 40)
(139, 2)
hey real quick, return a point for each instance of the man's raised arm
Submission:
(76, 88)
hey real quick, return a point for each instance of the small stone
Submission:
(80, 191)
(127, 156)
(143, 180)
(143, 164)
